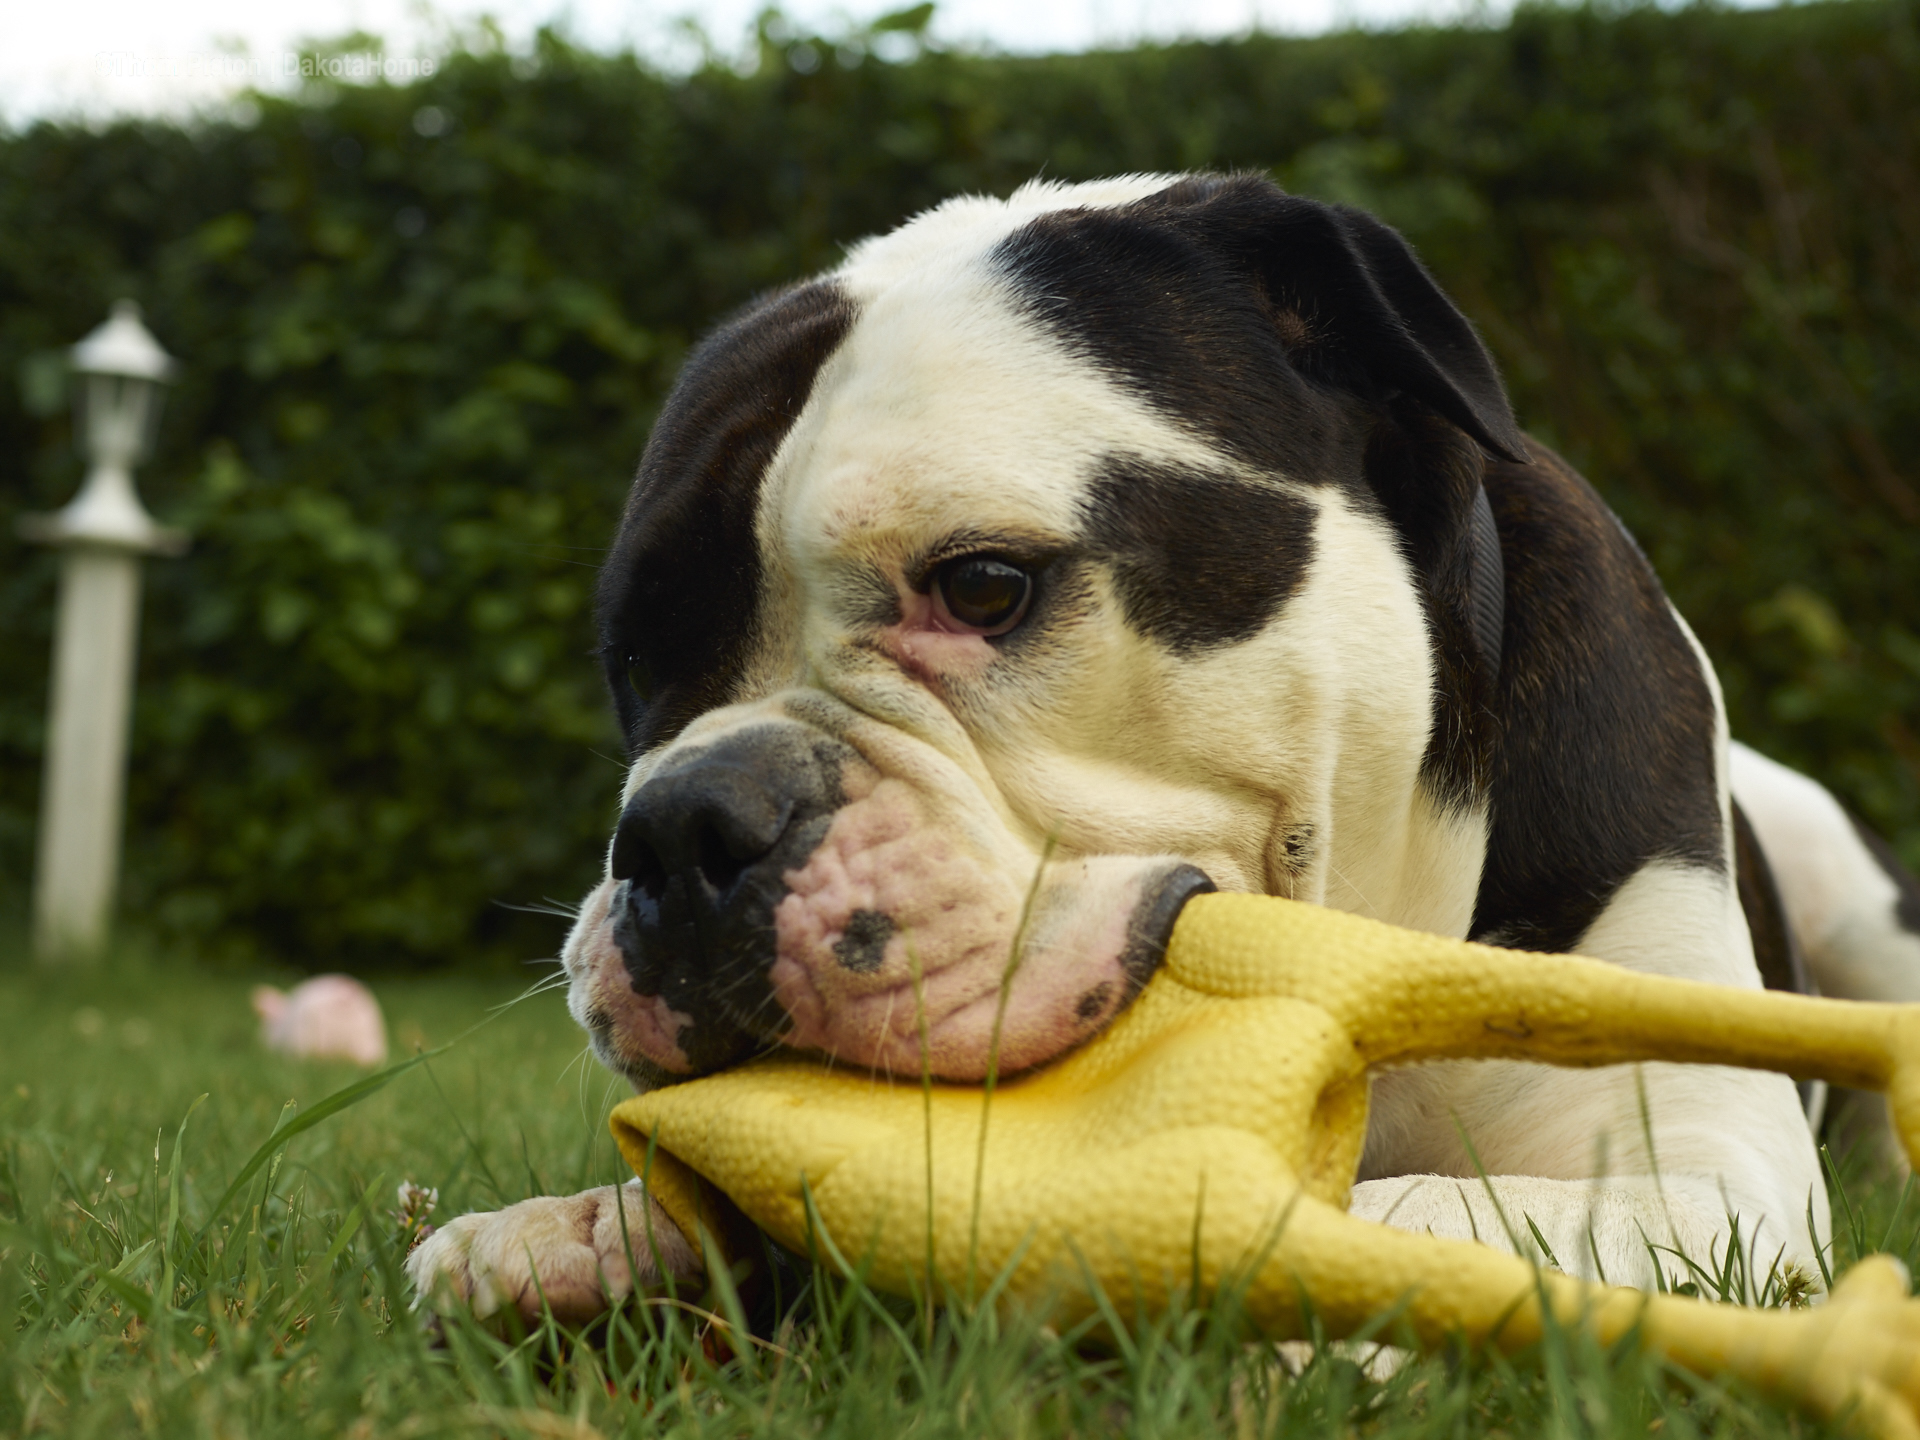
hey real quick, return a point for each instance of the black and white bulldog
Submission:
(1060, 557)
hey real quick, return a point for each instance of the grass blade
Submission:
(323, 1272)
(1016, 952)
(164, 1296)
(342, 1099)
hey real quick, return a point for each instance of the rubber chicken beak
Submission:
(1211, 1135)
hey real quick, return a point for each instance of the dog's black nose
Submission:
(703, 848)
(707, 823)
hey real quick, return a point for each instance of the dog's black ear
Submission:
(1353, 304)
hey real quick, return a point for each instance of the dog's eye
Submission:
(983, 593)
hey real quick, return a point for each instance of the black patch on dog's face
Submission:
(1606, 754)
(1197, 560)
(1093, 1002)
(1185, 331)
(1269, 323)
(862, 947)
(680, 591)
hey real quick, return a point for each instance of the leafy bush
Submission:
(427, 327)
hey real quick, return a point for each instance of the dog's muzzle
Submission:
(701, 852)
(775, 886)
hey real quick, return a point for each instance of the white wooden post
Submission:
(104, 532)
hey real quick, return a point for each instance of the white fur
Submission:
(1838, 899)
(571, 1255)
(954, 234)
(1562, 1144)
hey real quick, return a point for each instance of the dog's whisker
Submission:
(579, 1060)
(546, 905)
(1355, 889)
(545, 986)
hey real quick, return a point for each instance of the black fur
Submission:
(1427, 475)
(1775, 950)
(1487, 594)
(1197, 560)
(1606, 757)
(863, 947)
(1253, 315)
(680, 591)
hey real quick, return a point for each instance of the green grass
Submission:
(130, 1303)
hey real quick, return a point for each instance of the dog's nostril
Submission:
(722, 858)
(634, 859)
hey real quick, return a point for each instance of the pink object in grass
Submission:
(331, 1017)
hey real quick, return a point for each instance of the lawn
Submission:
(136, 1297)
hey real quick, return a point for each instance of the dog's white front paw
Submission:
(571, 1251)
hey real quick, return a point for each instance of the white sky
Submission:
(102, 57)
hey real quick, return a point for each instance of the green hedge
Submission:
(427, 327)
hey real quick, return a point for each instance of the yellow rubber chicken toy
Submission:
(1234, 1093)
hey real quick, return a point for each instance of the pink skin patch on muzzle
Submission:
(628, 1029)
(890, 894)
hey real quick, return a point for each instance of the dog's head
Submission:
(977, 604)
